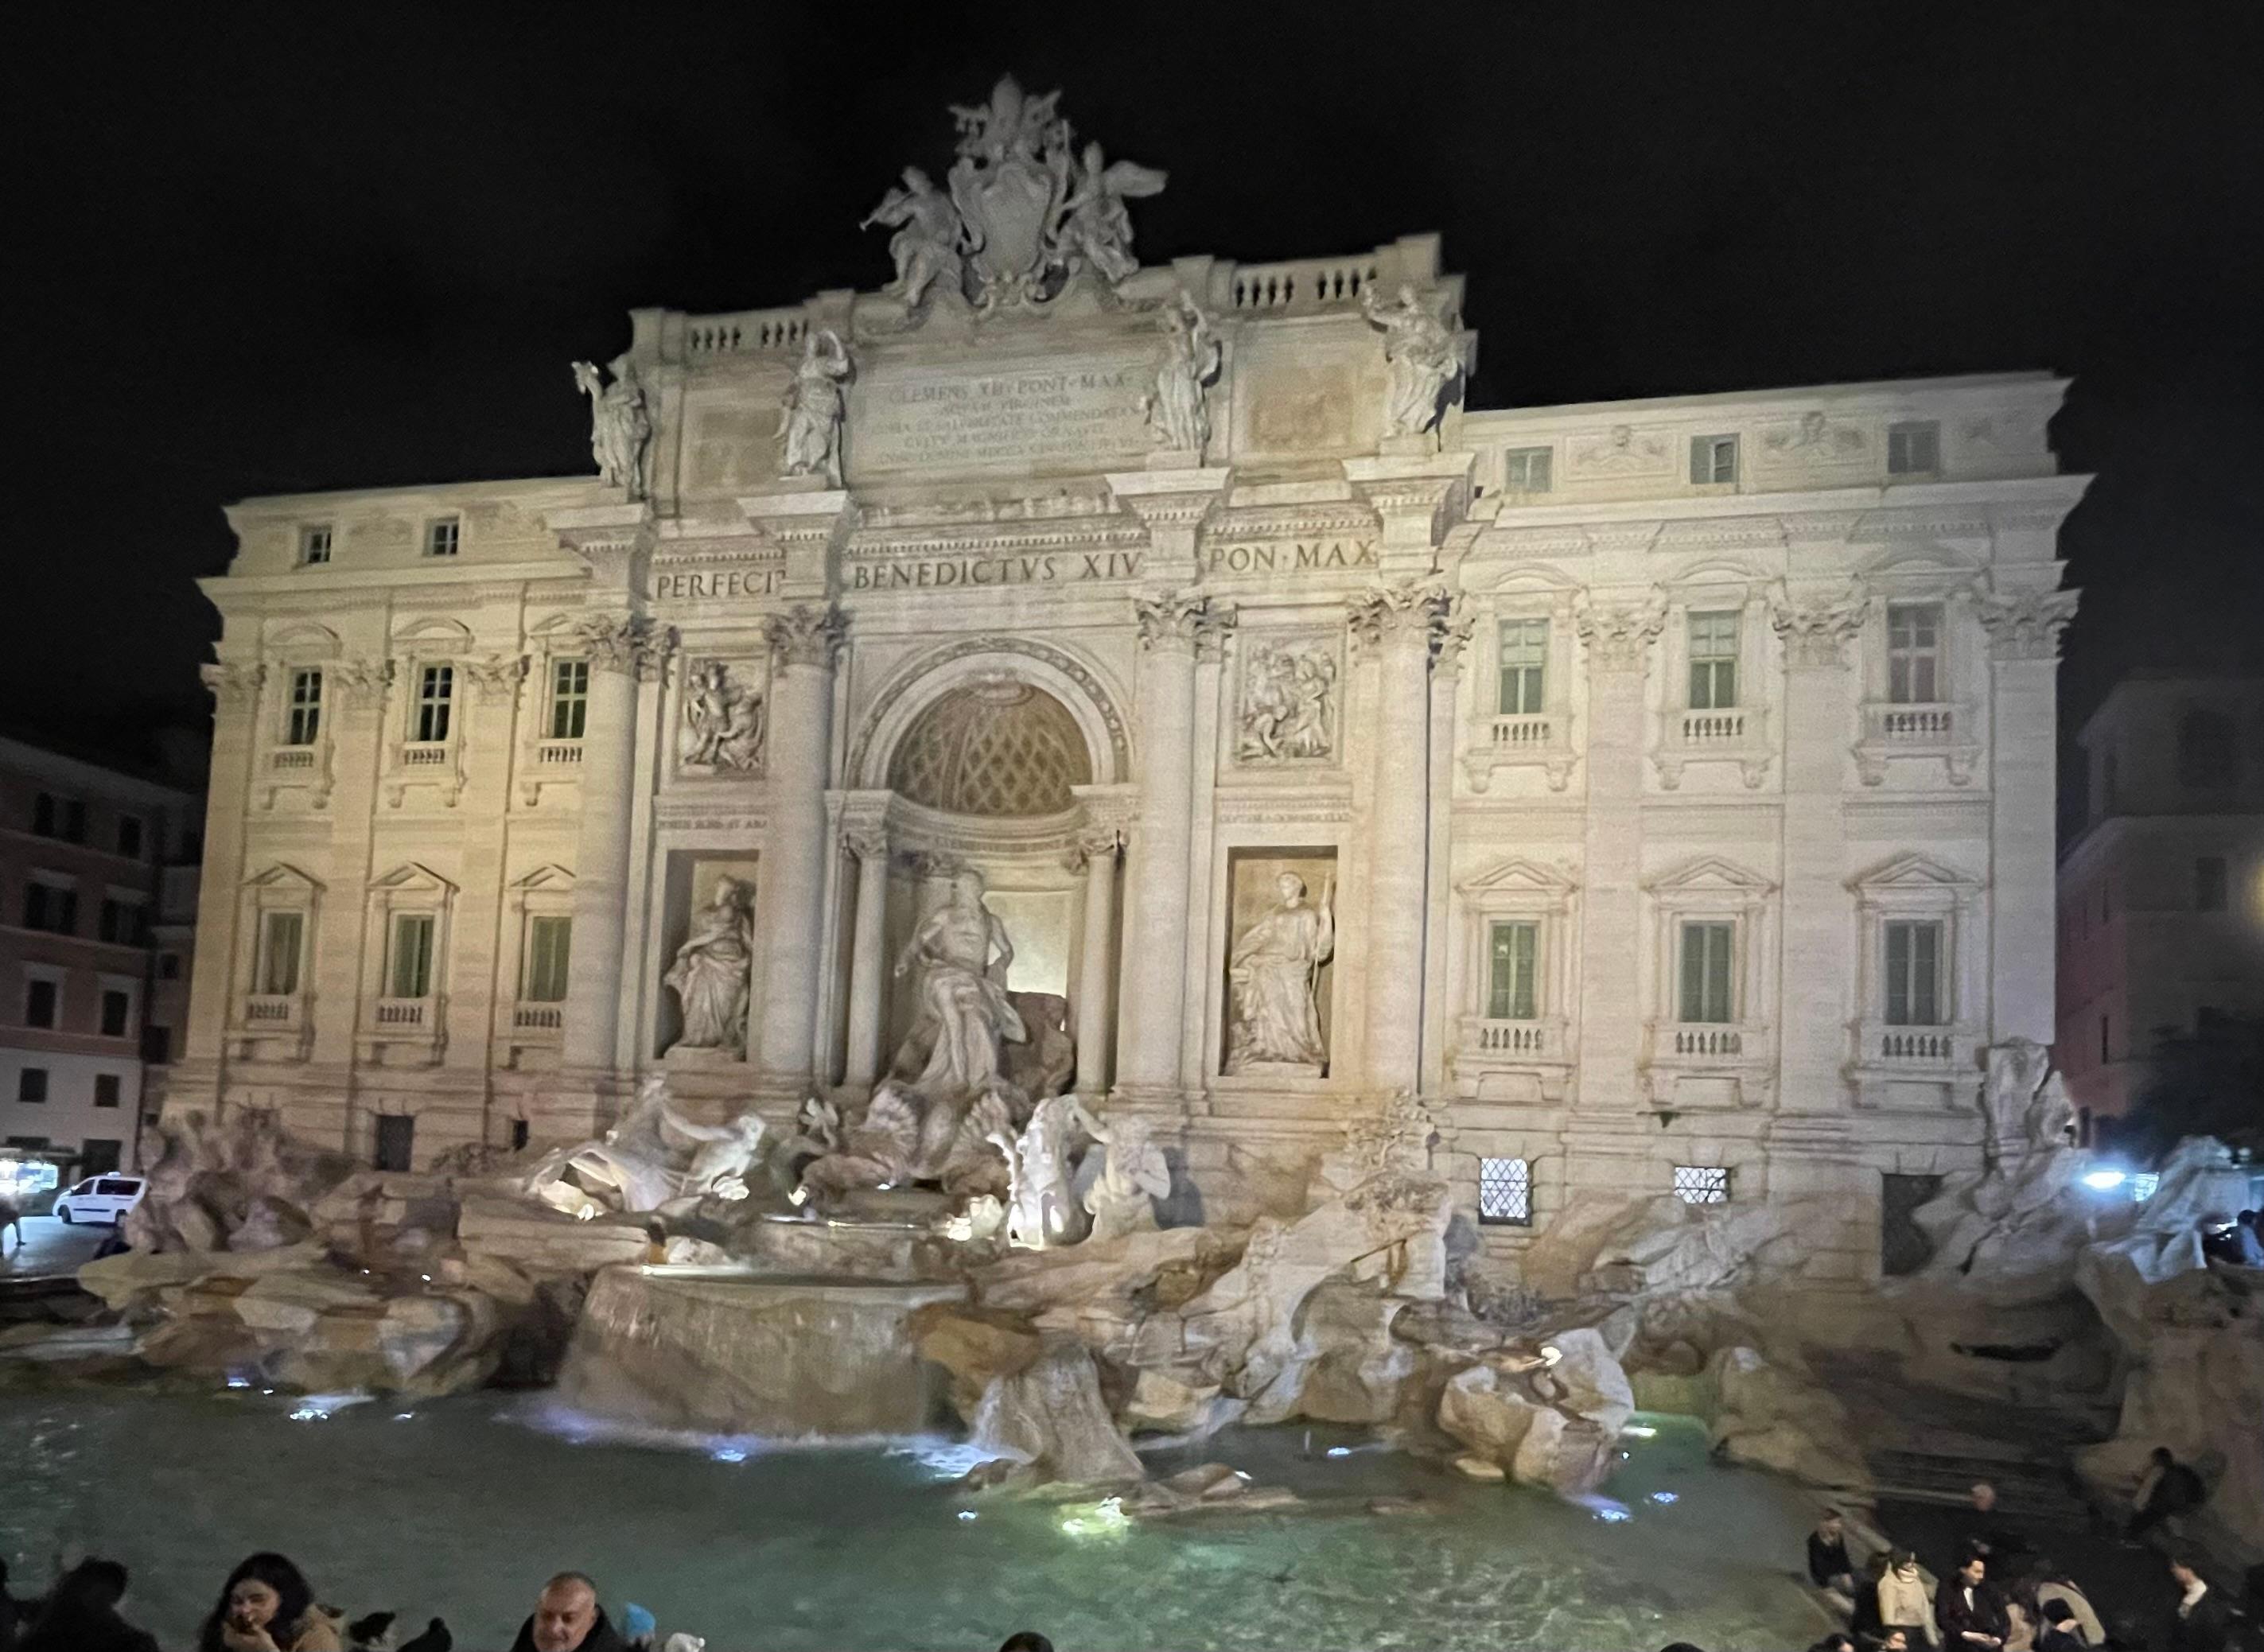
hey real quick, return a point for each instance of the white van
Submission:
(100, 1199)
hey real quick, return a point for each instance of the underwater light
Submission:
(1551, 1353)
(1611, 1515)
(729, 1454)
(1107, 1519)
(1640, 1430)
(2105, 1181)
(1340, 1451)
(967, 1514)
(1666, 1496)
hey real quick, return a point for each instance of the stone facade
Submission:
(1623, 742)
(2161, 895)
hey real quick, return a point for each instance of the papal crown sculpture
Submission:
(1024, 214)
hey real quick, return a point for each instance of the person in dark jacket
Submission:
(567, 1618)
(1828, 1565)
(2169, 1487)
(81, 1614)
(2060, 1631)
(1971, 1616)
(2200, 1624)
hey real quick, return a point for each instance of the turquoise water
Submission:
(463, 1507)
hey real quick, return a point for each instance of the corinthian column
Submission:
(790, 888)
(868, 841)
(2023, 628)
(1155, 964)
(1396, 625)
(623, 648)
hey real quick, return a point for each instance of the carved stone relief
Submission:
(725, 720)
(1288, 708)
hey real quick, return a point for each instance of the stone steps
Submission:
(2027, 1489)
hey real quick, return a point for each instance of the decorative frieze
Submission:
(497, 674)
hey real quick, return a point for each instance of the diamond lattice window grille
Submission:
(1506, 1192)
(996, 750)
(1702, 1184)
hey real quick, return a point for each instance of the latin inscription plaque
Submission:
(1035, 416)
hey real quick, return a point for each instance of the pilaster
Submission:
(2023, 627)
(1172, 505)
(790, 893)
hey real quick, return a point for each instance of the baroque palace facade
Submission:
(1676, 776)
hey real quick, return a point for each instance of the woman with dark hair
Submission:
(266, 1605)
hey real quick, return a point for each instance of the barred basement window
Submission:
(1701, 1184)
(1506, 1192)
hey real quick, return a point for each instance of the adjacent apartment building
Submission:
(2161, 893)
(92, 868)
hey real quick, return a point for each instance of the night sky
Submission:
(259, 250)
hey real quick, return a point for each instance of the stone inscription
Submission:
(1304, 557)
(723, 585)
(1011, 418)
(1044, 568)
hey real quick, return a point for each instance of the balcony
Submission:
(422, 762)
(404, 1031)
(1506, 1059)
(1728, 734)
(272, 1026)
(272, 1009)
(296, 768)
(1916, 1052)
(1536, 739)
(1936, 731)
(538, 1018)
(558, 754)
(549, 763)
(292, 759)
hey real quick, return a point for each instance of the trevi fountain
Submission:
(1212, 1002)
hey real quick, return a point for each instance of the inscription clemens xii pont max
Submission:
(1010, 419)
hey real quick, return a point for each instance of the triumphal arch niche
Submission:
(1146, 678)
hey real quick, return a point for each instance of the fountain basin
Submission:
(728, 1351)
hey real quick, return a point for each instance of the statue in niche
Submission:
(1426, 351)
(1178, 407)
(1287, 708)
(709, 974)
(620, 424)
(925, 246)
(809, 418)
(964, 952)
(1276, 1024)
(723, 721)
(1092, 228)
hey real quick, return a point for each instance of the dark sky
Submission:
(263, 250)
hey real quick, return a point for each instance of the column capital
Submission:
(1816, 637)
(1169, 621)
(1619, 637)
(867, 840)
(1452, 638)
(613, 539)
(628, 643)
(360, 680)
(2025, 625)
(808, 634)
(233, 685)
(496, 674)
(1409, 612)
(1213, 627)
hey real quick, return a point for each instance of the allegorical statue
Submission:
(925, 246)
(709, 974)
(1177, 407)
(1276, 1021)
(723, 721)
(963, 952)
(809, 418)
(620, 424)
(1134, 1174)
(637, 1165)
(1426, 351)
(1094, 229)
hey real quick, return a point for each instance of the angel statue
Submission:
(925, 246)
(1093, 226)
(810, 419)
(1427, 351)
(1179, 413)
(621, 425)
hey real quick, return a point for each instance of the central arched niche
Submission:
(997, 748)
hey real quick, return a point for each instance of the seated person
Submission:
(1828, 1565)
(2168, 1488)
(1971, 1616)
(567, 1618)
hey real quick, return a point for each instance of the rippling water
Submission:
(463, 1507)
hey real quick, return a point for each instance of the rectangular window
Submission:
(436, 694)
(397, 1140)
(1707, 949)
(281, 937)
(74, 823)
(442, 537)
(113, 921)
(51, 908)
(570, 698)
(303, 720)
(1913, 448)
(39, 1003)
(107, 1088)
(1510, 994)
(1714, 660)
(1914, 974)
(2211, 891)
(408, 972)
(1701, 1184)
(2105, 1054)
(129, 836)
(550, 940)
(1713, 459)
(43, 814)
(32, 1084)
(1524, 666)
(96, 1156)
(117, 1007)
(1526, 469)
(315, 546)
(157, 1045)
(1506, 1192)
(168, 965)
(1914, 653)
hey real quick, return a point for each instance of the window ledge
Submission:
(1534, 739)
(1736, 733)
(1940, 731)
(1882, 1051)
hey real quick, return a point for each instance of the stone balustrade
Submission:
(744, 333)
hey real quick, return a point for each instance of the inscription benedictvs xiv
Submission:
(1034, 416)
(1043, 567)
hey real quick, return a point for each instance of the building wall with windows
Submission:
(1679, 772)
(2161, 893)
(83, 866)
